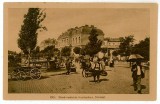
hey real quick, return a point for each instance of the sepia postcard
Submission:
(80, 51)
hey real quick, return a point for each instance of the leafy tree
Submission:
(66, 51)
(29, 30)
(37, 49)
(83, 51)
(126, 45)
(35, 52)
(77, 50)
(142, 48)
(94, 45)
(115, 53)
(48, 51)
(13, 58)
(104, 50)
(56, 52)
(48, 42)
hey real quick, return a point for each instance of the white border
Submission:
(78, 102)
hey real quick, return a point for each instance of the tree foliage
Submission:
(66, 51)
(126, 45)
(104, 50)
(115, 53)
(50, 51)
(35, 53)
(48, 42)
(77, 50)
(29, 30)
(83, 51)
(13, 58)
(142, 48)
(94, 45)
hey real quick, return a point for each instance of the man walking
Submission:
(68, 66)
(97, 71)
(137, 75)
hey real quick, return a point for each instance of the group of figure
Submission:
(95, 66)
(69, 65)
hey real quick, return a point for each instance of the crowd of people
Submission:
(95, 66)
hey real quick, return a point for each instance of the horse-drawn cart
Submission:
(22, 72)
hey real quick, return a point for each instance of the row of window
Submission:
(112, 43)
(76, 40)
(65, 41)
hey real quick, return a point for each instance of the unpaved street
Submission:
(118, 81)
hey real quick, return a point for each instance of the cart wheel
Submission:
(35, 73)
(13, 75)
(22, 75)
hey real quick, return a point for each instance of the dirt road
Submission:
(118, 81)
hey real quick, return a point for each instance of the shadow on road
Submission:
(143, 87)
(124, 66)
(64, 73)
(28, 78)
(44, 77)
(104, 79)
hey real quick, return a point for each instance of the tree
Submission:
(77, 50)
(35, 53)
(49, 50)
(83, 51)
(115, 53)
(13, 58)
(142, 48)
(126, 45)
(48, 42)
(104, 50)
(66, 51)
(29, 30)
(37, 49)
(94, 45)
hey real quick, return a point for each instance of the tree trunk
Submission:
(29, 55)
(21, 58)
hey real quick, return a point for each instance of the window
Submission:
(64, 41)
(73, 41)
(79, 40)
(67, 41)
(76, 39)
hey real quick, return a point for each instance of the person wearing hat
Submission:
(137, 75)
(68, 66)
(97, 71)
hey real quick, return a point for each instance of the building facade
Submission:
(111, 43)
(77, 37)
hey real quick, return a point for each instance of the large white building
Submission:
(77, 37)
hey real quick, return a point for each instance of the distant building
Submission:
(111, 43)
(77, 37)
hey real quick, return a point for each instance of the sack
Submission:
(97, 67)
(142, 74)
(104, 73)
(73, 69)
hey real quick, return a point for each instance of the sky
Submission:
(114, 22)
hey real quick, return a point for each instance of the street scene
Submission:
(118, 81)
(74, 51)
